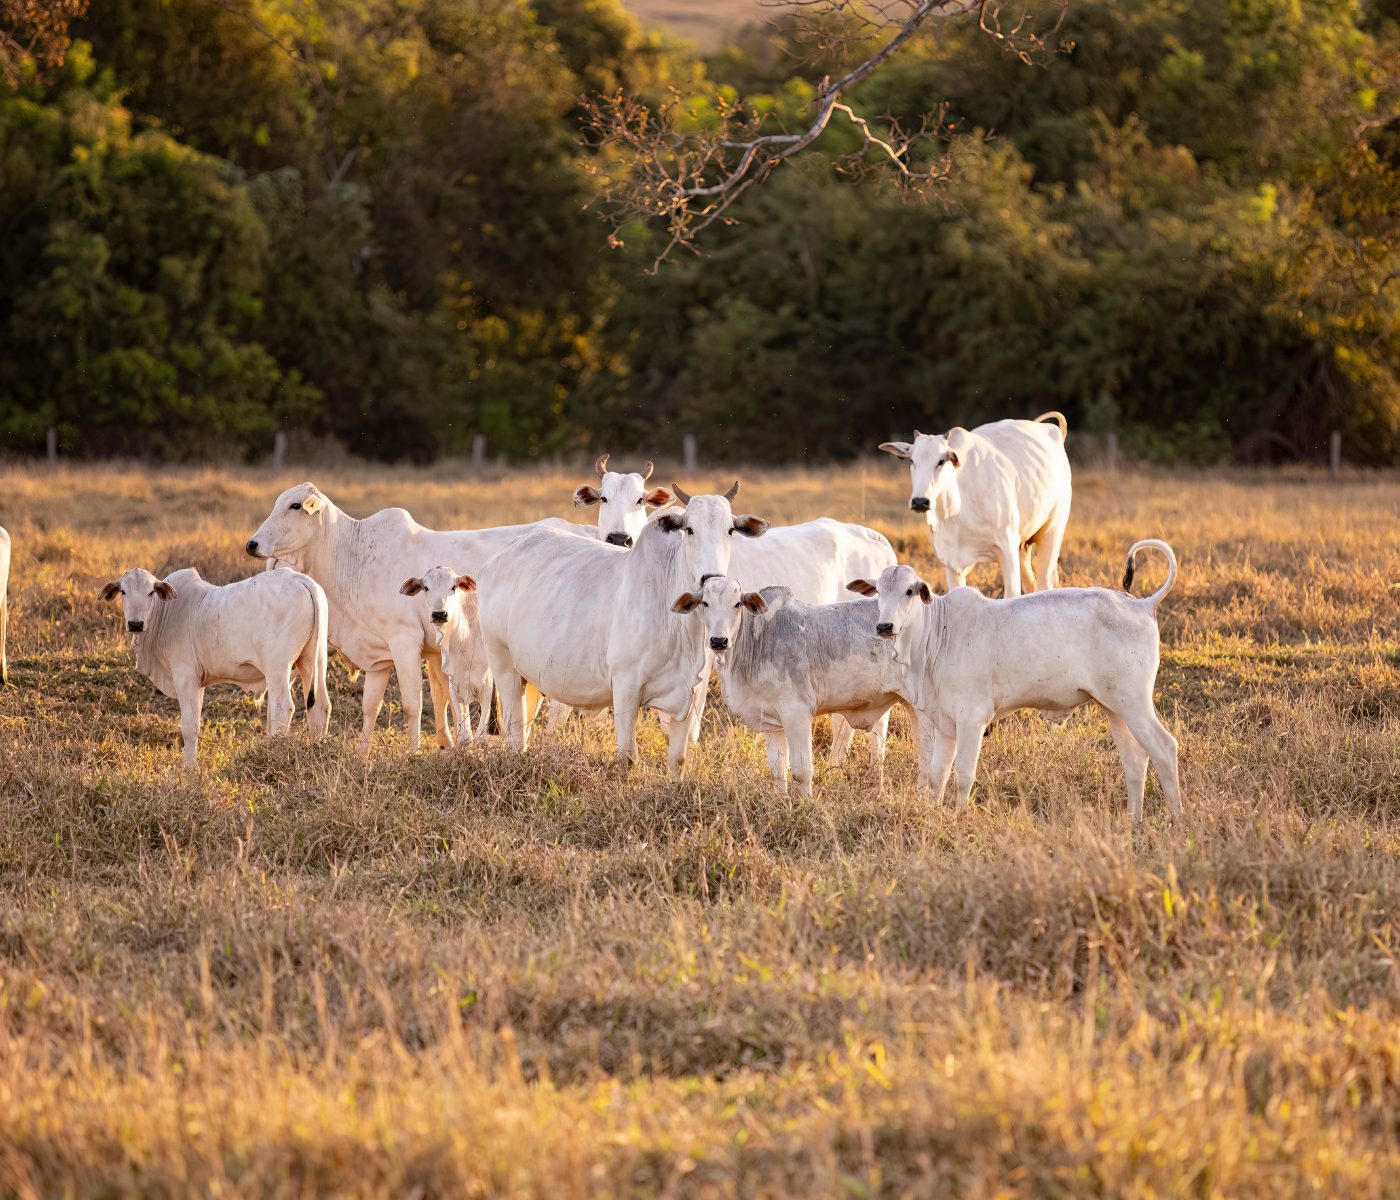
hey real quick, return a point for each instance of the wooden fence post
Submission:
(279, 450)
(1334, 453)
(478, 452)
(1112, 451)
(689, 455)
(52, 440)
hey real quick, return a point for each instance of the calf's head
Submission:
(933, 469)
(439, 594)
(721, 604)
(296, 518)
(706, 528)
(623, 501)
(141, 592)
(899, 591)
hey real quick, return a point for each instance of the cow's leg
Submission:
(558, 714)
(1027, 567)
(1008, 556)
(318, 715)
(441, 691)
(408, 666)
(279, 701)
(1159, 743)
(677, 743)
(1134, 758)
(534, 701)
(941, 749)
(879, 735)
(626, 705)
(969, 750)
(841, 736)
(778, 757)
(376, 681)
(798, 728)
(515, 725)
(191, 715)
(697, 704)
(461, 709)
(1047, 549)
(484, 689)
(954, 579)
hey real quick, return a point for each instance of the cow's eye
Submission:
(941, 461)
(602, 499)
(295, 504)
(704, 604)
(641, 499)
(910, 592)
(690, 531)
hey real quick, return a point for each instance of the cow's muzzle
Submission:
(251, 546)
(919, 504)
(719, 643)
(136, 626)
(619, 539)
(885, 629)
(439, 618)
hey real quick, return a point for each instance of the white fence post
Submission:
(1334, 453)
(279, 450)
(689, 454)
(478, 452)
(1112, 451)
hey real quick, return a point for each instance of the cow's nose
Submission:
(439, 618)
(252, 547)
(619, 539)
(919, 504)
(885, 629)
(720, 643)
(136, 626)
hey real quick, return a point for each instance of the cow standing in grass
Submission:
(964, 660)
(591, 624)
(993, 494)
(192, 634)
(361, 564)
(446, 604)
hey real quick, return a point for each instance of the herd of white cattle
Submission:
(636, 612)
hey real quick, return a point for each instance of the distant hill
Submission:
(702, 21)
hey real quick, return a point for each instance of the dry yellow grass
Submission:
(306, 973)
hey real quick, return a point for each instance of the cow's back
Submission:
(243, 627)
(1033, 452)
(814, 560)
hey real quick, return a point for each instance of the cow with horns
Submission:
(623, 501)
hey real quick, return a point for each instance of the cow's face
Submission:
(438, 593)
(721, 605)
(900, 592)
(706, 529)
(624, 501)
(141, 592)
(933, 468)
(295, 519)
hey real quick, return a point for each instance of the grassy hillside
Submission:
(472, 973)
(703, 21)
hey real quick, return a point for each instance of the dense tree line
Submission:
(369, 219)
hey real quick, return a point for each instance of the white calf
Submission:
(963, 661)
(447, 610)
(192, 634)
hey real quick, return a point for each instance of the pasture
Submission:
(305, 972)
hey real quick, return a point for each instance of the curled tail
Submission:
(1059, 419)
(4, 629)
(317, 692)
(1151, 544)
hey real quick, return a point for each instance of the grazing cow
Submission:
(192, 634)
(591, 624)
(964, 660)
(623, 502)
(782, 662)
(4, 605)
(360, 563)
(447, 610)
(991, 495)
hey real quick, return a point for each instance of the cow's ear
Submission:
(898, 449)
(863, 586)
(754, 602)
(686, 602)
(953, 459)
(465, 583)
(657, 498)
(750, 526)
(164, 590)
(924, 594)
(586, 495)
(313, 503)
(411, 587)
(111, 590)
(670, 522)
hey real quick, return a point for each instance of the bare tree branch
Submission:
(654, 166)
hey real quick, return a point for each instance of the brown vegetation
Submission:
(471, 973)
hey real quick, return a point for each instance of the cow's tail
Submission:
(317, 692)
(1151, 544)
(4, 630)
(1059, 419)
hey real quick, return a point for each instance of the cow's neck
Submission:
(325, 557)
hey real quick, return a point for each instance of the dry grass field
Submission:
(301, 972)
(704, 22)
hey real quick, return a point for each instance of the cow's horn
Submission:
(601, 465)
(732, 492)
(681, 494)
(917, 434)
(646, 474)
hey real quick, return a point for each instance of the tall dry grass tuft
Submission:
(303, 972)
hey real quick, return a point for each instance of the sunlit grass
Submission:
(301, 971)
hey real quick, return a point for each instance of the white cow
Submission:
(623, 500)
(782, 663)
(446, 603)
(991, 495)
(964, 660)
(192, 634)
(361, 563)
(4, 605)
(591, 624)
